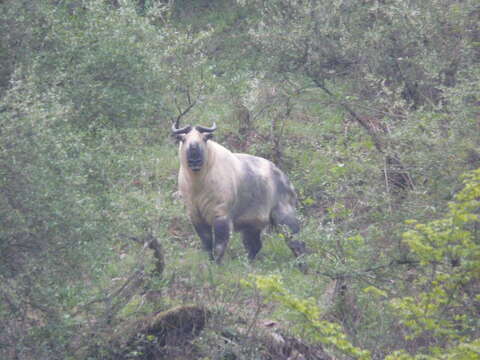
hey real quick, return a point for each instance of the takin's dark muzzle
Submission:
(195, 157)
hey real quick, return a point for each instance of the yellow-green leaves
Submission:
(446, 291)
(375, 291)
(326, 332)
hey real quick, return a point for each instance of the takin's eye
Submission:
(207, 137)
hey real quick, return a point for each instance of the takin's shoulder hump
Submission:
(254, 162)
(267, 168)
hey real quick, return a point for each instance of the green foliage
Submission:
(349, 98)
(391, 48)
(445, 306)
(112, 68)
(308, 316)
(53, 215)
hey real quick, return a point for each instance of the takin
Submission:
(225, 192)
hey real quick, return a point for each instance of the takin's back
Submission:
(264, 195)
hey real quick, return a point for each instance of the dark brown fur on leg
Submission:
(251, 241)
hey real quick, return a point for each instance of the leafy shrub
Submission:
(443, 309)
(309, 321)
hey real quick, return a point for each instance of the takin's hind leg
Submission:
(251, 241)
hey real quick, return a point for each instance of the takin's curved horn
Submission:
(203, 129)
(182, 130)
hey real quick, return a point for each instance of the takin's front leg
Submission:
(204, 231)
(221, 234)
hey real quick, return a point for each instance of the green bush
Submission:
(443, 309)
(309, 323)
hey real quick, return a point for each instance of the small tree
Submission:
(444, 307)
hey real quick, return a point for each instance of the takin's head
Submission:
(193, 142)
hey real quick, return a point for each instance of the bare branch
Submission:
(181, 112)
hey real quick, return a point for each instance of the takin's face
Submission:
(193, 148)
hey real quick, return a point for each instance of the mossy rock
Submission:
(177, 325)
(145, 338)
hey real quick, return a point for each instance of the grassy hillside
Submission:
(370, 108)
